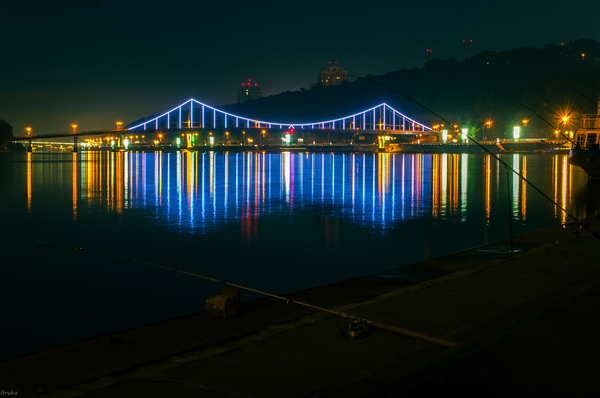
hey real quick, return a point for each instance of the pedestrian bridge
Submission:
(193, 114)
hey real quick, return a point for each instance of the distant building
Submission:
(248, 91)
(332, 75)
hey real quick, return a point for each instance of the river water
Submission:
(277, 222)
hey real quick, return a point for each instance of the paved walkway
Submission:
(525, 325)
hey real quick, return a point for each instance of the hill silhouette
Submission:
(548, 80)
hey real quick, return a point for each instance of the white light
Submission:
(465, 133)
(125, 143)
(444, 135)
(516, 132)
(178, 141)
(211, 140)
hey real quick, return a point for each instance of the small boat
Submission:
(564, 149)
(587, 152)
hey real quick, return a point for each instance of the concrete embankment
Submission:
(526, 325)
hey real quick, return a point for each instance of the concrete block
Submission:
(224, 302)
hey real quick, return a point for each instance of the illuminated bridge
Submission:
(198, 122)
(193, 114)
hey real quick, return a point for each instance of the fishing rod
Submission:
(357, 327)
(508, 167)
(593, 102)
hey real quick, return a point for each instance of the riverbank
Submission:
(525, 325)
(426, 148)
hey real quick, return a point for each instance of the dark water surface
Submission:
(274, 222)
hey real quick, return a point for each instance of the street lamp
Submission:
(489, 125)
(28, 130)
(119, 125)
(74, 126)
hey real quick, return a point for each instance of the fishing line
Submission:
(354, 325)
(597, 236)
(575, 145)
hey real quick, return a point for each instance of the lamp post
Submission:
(523, 125)
(28, 130)
(74, 127)
(119, 125)
(489, 125)
(565, 120)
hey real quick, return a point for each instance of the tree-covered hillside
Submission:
(549, 80)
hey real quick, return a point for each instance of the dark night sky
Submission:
(96, 62)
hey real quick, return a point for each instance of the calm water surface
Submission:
(276, 222)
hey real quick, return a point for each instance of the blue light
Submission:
(374, 125)
(311, 124)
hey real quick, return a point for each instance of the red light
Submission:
(256, 84)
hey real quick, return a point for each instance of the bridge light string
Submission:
(508, 167)
(383, 106)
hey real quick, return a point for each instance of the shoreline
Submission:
(549, 147)
(461, 297)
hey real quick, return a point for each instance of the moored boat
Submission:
(587, 152)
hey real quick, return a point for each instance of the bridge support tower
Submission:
(75, 144)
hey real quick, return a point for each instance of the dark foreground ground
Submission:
(526, 326)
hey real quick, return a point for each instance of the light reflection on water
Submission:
(202, 193)
(203, 190)
(275, 222)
